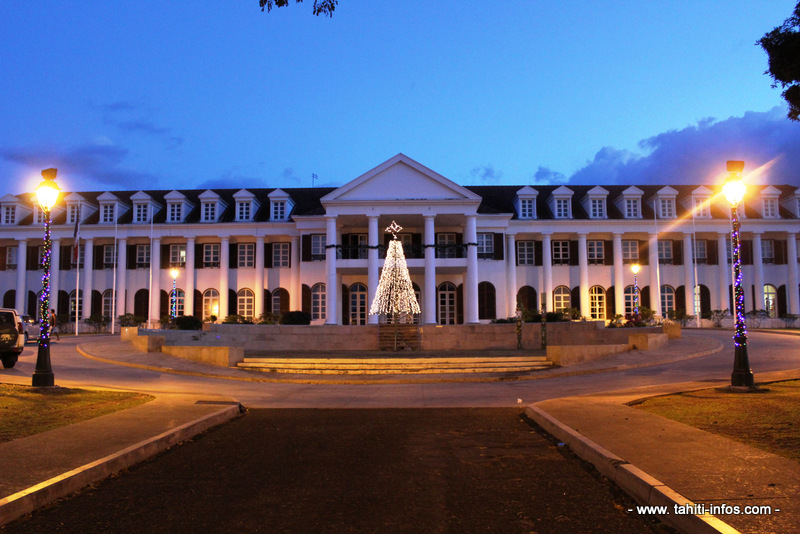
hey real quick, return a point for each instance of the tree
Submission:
(782, 45)
(321, 7)
(395, 294)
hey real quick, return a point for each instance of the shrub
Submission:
(269, 318)
(296, 317)
(789, 319)
(236, 319)
(188, 322)
(717, 316)
(130, 319)
(97, 322)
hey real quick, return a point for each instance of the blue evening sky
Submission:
(154, 94)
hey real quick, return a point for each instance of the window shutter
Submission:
(233, 257)
(782, 301)
(33, 312)
(163, 309)
(64, 259)
(575, 299)
(62, 307)
(32, 259)
(131, 257)
(705, 301)
(747, 252)
(677, 252)
(306, 297)
(165, 256)
(97, 303)
(306, 256)
(780, 253)
(537, 253)
(3, 258)
(608, 255)
(97, 260)
(611, 303)
(268, 256)
(233, 302)
(680, 298)
(573, 253)
(267, 301)
(498, 247)
(712, 252)
(199, 261)
(645, 294)
(345, 305)
(644, 253)
(347, 252)
(198, 304)
(459, 302)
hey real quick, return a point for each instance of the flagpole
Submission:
(658, 262)
(78, 300)
(150, 289)
(696, 288)
(114, 277)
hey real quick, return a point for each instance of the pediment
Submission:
(527, 192)
(770, 191)
(597, 191)
(108, 197)
(141, 196)
(632, 191)
(400, 178)
(174, 195)
(9, 199)
(563, 191)
(702, 191)
(667, 191)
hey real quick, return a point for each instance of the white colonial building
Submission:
(473, 251)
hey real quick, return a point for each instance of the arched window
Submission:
(771, 300)
(447, 303)
(280, 301)
(358, 304)
(698, 301)
(73, 306)
(561, 298)
(667, 300)
(630, 293)
(245, 303)
(210, 304)
(526, 298)
(487, 308)
(597, 302)
(108, 303)
(318, 302)
(179, 303)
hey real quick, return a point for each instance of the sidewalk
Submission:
(662, 462)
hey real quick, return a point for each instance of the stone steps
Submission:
(375, 366)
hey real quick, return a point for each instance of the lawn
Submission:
(769, 420)
(25, 410)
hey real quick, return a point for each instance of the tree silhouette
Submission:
(782, 45)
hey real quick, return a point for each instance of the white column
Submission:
(724, 273)
(619, 276)
(22, 272)
(758, 281)
(55, 275)
(373, 264)
(224, 274)
(655, 282)
(331, 286)
(511, 275)
(258, 285)
(546, 294)
(86, 279)
(583, 269)
(155, 286)
(189, 279)
(296, 290)
(122, 276)
(791, 261)
(688, 274)
(429, 296)
(471, 285)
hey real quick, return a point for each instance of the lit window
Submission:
(561, 298)
(667, 300)
(318, 302)
(562, 208)
(597, 302)
(210, 304)
(598, 208)
(180, 299)
(247, 253)
(560, 252)
(525, 253)
(245, 303)
(177, 254)
(629, 300)
(108, 297)
(527, 208)
(280, 255)
(595, 252)
(486, 246)
(771, 300)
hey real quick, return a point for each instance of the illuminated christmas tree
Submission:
(395, 294)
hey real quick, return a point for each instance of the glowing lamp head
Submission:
(47, 192)
(174, 273)
(734, 187)
(635, 268)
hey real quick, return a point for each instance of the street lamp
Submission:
(734, 190)
(46, 195)
(635, 268)
(173, 310)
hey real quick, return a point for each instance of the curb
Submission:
(645, 489)
(24, 502)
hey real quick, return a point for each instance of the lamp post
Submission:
(46, 195)
(173, 309)
(734, 189)
(635, 269)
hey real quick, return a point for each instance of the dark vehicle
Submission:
(30, 328)
(12, 337)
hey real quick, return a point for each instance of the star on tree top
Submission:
(394, 228)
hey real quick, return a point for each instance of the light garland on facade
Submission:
(395, 293)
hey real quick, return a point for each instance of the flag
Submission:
(76, 236)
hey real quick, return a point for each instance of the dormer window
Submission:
(770, 208)
(141, 213)
(562, 208)
(174, 212)
(279, 210)
(280, 205)
(701, 208)
(632, 208)
(107, 213)
(38, 215)
(209, 211)
(73, 213)
(598, 208)
(9, 214)
(527, 208)
(243, 211)
(666, 208)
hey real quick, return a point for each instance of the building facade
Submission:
(473, 252)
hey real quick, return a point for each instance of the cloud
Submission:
(766, 141)
(545, 176)
(98, 163)
(131, 118)
(486, 174)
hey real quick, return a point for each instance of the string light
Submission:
(395, 294)
(44, 298)
(740, 328)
